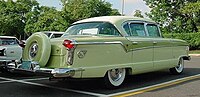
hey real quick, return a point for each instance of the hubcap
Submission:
(33, 50)
(180, 66)
(116, 74)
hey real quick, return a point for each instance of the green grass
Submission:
(194, 52)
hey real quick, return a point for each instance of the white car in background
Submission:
(10, 50)
(50, 34)
(53, 34)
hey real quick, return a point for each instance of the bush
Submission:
(192, 38)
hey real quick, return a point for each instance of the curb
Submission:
(196, 55)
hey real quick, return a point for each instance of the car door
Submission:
(142, 47)
(162, 47)
(12, 50)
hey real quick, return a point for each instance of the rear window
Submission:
(8, 41)
(93, 28)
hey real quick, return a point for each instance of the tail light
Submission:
(22, 45)
(68, 44)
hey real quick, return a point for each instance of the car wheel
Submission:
(114, 77)
(38, 48)
(178, 69)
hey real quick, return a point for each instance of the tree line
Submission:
(177, 16)
(23, 17)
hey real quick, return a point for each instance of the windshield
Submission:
(93, 28)
(48, 34)
(8, 41)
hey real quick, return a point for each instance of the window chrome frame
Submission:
(120, 34)
(145, 26)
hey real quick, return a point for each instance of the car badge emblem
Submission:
(81, 53)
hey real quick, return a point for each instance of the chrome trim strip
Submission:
(102, 43)
(151, 47)
(90, 43)
(126, 64)
(142, 48)
(119, 42)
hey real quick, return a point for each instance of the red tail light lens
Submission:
(68, 44)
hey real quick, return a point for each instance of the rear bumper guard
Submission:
(34, 68)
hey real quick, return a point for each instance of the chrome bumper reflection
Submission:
(34, 68)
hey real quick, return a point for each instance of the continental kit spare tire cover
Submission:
(38, 48)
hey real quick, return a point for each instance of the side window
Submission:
(153, 30)
(108, 29)
(53, 36)
(57, 35)
(137, 29)
(127, 29)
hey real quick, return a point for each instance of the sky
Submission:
(130, 5)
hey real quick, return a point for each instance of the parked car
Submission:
(50, 34)
(108, 47)
(10, 50)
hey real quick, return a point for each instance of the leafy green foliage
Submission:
(192, 10)
(45, 19)
(138, 13)
(175, 15)
(192, 38)
(12, 18)
(81, 9)
(26, 16)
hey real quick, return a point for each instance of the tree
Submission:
(12, 18)
(138, 13)
(192, 10)
(81, 9)
(26, 16)
(169, 15)
(45, 19)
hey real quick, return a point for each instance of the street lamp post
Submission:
(122, 7)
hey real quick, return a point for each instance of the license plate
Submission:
(26, 65)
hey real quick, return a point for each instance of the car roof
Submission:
(7, 37)
(113, 19)
(117, 21)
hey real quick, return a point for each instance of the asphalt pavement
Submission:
(187, 89)
(15, 85)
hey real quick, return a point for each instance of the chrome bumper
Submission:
(187, 58)
(34, 68)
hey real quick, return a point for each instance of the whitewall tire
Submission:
(179, 68)
(115, 77)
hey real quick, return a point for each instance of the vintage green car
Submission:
(109, 47)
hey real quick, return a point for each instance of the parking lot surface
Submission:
(17, 85)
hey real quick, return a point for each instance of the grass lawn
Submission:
(194, 52)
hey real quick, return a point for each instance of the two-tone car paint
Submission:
(110, 47)
(103, 53)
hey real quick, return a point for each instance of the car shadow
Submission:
(96, 85)
(131, 82)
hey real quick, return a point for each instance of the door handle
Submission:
(135, 43)
(154, 42)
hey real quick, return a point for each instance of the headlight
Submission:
(4, 52)
(187, 48)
